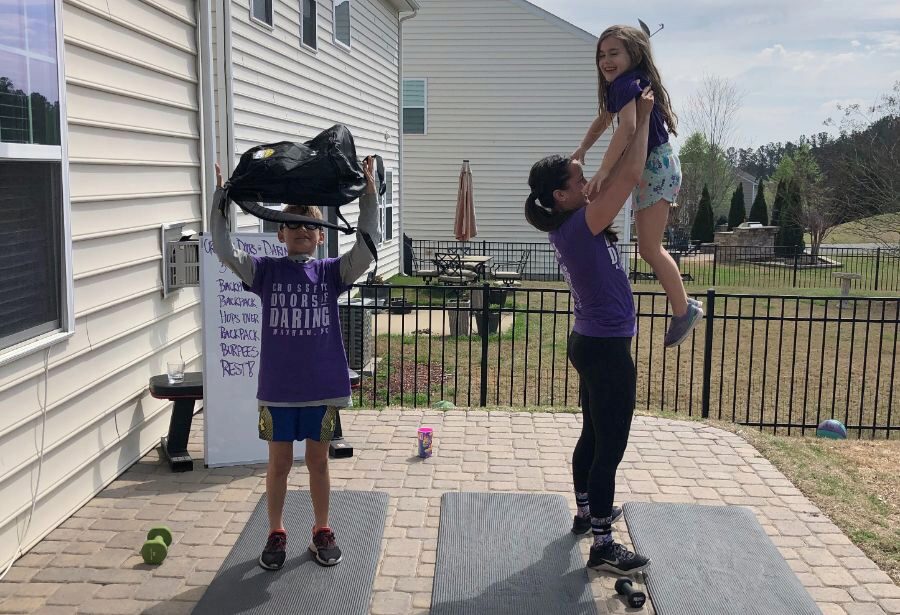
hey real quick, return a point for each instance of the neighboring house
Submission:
(300, 66)
(107, 135)
(750, 185)
(501, 83)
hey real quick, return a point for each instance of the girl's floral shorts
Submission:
(661, 178)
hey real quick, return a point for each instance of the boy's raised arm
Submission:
(355, 262)
(234, 258)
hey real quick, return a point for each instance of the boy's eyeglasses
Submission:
(309, 226)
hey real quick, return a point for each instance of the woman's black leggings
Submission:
(607, 404)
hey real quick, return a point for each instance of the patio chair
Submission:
(451, 270)
(425, 269)
(510, 273)
(462, 250)
(678, 242)
(645, 276)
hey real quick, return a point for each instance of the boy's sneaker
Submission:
(272, 557)
(613, 557)
(582, 525)
(325, 547)
(696, 302)
(681, 326)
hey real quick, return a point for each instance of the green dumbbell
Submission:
(156, 548)
(162, 531)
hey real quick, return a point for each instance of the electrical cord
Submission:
(37, 487)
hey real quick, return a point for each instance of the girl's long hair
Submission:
(637, 44)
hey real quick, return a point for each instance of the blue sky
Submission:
(794, 60)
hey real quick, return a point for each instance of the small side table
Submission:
(184, 394)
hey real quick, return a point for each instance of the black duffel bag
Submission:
(323, 171)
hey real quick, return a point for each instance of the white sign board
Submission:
(231, 339)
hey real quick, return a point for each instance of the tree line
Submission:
(813, 184)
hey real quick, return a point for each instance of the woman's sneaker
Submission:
(613, 557)
(272, 557)
(325, 547)
(582, 525)
(681, 326)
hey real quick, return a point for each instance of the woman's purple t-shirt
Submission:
(302, 351)
(591, 265)
(627, 87)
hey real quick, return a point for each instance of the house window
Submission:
(33, 234)
(261, 11)
(386, 205)
(414, 97)
(342, 22)
(308, 23)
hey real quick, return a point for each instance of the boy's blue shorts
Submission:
(287, 424)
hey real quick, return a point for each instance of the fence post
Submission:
(708, 350)
(483, 330)
(715, 258)
(877, 265)
(796, 257)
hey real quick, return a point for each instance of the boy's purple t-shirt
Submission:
(301, 351)
(627, 87)
(604, 306)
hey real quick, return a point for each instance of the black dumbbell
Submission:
(635, 598)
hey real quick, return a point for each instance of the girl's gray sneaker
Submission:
(681, 326)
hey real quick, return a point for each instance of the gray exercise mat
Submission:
(508, 553)
(303, 586)
(713, 559)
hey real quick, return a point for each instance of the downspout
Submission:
(207, 110)
(225, 101)
(400, 173)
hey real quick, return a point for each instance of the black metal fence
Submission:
(781, 363)
(712, 265)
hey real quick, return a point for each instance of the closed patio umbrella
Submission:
(464, 224)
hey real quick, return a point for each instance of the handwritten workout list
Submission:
(232, 326)
(238, 322)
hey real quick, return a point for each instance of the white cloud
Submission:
(843, 58)
(886, 41)
(795, 60)
(887, 11)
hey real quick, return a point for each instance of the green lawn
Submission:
(738, 277)
(772, 279)
(887, 225)
(774, 361)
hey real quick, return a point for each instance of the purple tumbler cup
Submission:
(426, 435)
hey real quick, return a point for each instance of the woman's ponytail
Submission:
(548, 174)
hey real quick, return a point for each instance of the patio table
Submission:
(476, 263)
